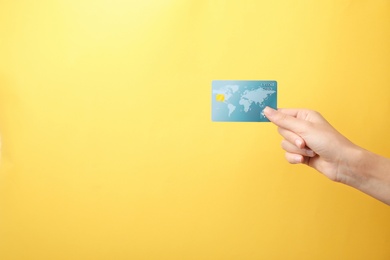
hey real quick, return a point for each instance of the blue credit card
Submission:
(242, 100)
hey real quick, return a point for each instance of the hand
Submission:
(310, 139)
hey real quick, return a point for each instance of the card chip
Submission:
(220, 97)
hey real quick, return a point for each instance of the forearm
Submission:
(369, 173)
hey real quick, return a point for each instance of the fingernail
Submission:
(299, 143)
(309, 152)
(268, 111)
(298, 159)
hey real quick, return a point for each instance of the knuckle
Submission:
(281, 117)
(316, 113)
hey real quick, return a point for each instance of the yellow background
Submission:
(109, 151)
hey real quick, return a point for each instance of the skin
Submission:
(309, 139)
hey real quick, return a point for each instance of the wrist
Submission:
(367, 172)
(353, 167)
(348, 164)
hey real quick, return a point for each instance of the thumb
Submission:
(285, 121)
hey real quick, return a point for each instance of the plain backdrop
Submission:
(109, 151)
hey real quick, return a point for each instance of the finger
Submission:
(296, 112)
(291, 148)
(305, 114)
(308, 161)
(292, 137)
(286, 121)
(294, 158)
(290, 111)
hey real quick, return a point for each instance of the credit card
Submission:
(242, 100)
